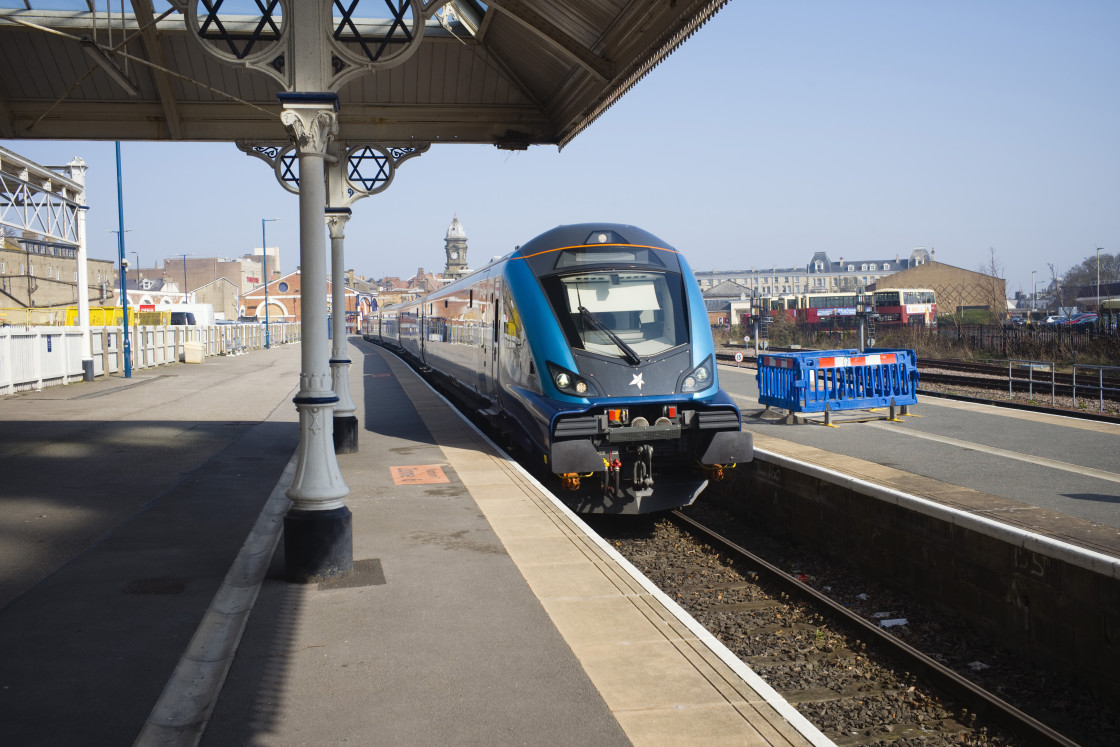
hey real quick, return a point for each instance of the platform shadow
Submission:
(1095, 497)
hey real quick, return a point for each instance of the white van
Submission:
(200, 314)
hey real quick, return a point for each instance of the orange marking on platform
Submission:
(421, 474)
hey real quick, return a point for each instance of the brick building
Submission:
(285, 302)
(954, 288)
(43, 274)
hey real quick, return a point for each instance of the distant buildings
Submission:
(393, 289)
(819, 275)
(285, 303)
(41, 274)
(44, 274)
(955, 289)
(455, 247)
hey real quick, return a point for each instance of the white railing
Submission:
(38, 357)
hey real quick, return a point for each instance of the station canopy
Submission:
(511, 73)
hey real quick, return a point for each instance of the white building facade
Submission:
(821, 274)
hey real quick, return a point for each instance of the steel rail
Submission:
(980, 700)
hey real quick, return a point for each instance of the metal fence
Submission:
(1008, 340)
(1095, 383)
(1103, 383)
(38, 357)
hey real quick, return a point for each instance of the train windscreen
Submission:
(620, 312)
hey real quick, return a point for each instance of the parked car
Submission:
(1083, 320)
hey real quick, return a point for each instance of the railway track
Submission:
(975, 699)
(854, 681)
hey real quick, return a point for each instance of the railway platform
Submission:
(1048, 473)
(480, 611)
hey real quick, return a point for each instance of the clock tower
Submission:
(456, 250)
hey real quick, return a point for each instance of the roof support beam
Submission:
(150, 37)
(539, 25)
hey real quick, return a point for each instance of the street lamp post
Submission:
(124, 269)
(1098, 279)
(137, 255)
(184, 256)
(1034, 290)
(264, 269)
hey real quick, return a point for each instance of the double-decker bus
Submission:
(904, 306)
(907, 306)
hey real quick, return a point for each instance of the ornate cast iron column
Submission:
(352, 172)
(318, 538)
(306, 52)
(345, 422)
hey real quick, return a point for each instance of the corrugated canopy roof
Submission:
(509, 72)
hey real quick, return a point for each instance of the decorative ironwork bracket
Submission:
(362, 170)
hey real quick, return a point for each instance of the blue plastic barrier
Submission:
(820, 380)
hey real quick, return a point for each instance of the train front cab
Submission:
(636, 419)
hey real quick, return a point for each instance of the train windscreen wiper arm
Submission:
(631, 356)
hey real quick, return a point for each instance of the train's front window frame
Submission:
(644, 307)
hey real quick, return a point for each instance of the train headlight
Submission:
(698, 379)
(568, 382)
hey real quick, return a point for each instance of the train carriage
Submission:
(588, 348)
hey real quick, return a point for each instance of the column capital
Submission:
(311, 120)
(337, 218)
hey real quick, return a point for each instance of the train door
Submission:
(496, 339)
(488, 362)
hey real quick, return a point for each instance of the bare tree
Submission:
(993, 291)
(1056, 288)
(9, 238)
(1085, 275)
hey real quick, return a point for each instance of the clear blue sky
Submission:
(863, 129)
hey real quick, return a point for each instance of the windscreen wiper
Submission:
(632, 358)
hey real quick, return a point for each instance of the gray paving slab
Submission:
(452, 648)
(122, 505)
(1061, 464)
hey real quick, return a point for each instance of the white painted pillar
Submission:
(318, 539)
(78, 174)
(345, 421)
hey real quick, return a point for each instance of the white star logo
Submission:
(637, 380)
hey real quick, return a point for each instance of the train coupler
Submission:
(643, 467)
(715, 472)
(570, 480)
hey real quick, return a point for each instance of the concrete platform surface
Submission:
(480, 611)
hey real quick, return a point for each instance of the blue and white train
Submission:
(589, 350)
